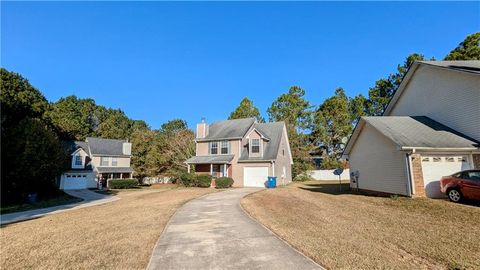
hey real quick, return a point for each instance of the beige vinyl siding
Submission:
(283, 161)
(449, 97)
(121, 161)
(380, 165)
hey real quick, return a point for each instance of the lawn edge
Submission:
(274, 233)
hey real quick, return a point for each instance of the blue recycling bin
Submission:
(272, 182)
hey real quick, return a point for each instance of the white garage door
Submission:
(75, 181)
(434, 167)
(255, 176)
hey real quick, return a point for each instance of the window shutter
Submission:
(209, 148)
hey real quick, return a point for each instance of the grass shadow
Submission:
(328, 188)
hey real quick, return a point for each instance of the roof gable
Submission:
(472, 67)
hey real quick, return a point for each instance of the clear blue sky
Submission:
(158, 61)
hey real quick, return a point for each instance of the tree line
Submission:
(33, 129)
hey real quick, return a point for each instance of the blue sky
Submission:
(159, 60)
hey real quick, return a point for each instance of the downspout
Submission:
(273, 168)
(411, 180)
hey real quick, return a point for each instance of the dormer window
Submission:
(78, 160)
(214, 148)
(255, 146)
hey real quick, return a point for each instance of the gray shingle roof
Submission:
(72, 146)
(235, 128)
(100, 146)
(420, 131)
(214, 159)
(273, 131)
(114, 169)
(469, 66)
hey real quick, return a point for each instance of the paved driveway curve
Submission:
(89, 197)
(213, 232)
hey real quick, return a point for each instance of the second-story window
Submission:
(78, 160)
(255, 146)
(114, 162)
(214, 148)
(224, 147)
(104, 161)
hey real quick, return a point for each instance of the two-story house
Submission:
(96, 160)
(247, 151)
(430, 129)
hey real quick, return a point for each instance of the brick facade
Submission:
(418, 175)
(476, 161)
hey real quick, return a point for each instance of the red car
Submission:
(461, 185)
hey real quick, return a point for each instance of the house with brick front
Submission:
(430, 129)
(243, 149)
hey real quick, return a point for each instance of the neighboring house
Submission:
(430, 129)
(96, 160)
(244, 150)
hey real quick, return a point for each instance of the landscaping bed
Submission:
(344, 230)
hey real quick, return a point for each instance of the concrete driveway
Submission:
(89, 197)
(213, 232)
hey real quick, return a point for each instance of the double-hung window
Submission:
(214, 148)
(104, 161)
(114, 162)
(78, 160)
(255, 146)
(224, 147)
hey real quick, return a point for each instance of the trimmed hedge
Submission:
(192, 180)
(187, 179)
(203, 180)
(122, 183)
(224, 182)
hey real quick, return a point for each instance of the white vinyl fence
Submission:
(156, 180)
(324, 175)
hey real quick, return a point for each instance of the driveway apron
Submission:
(213, 232)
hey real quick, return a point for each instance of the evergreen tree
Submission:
(246, 110)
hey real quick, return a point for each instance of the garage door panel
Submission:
(434, 167)
(77, 181)
(255, 176)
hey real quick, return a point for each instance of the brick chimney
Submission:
(202, 129)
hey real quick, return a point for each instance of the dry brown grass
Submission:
(340, 230)
(117, 235)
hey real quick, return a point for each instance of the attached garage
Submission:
(406, 155)
(255, 176)
(436, 166)
(78, 180)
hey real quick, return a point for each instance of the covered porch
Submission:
(106, 173)
(215, 165)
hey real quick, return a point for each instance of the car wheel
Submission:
(454, 195)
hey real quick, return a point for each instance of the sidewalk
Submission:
(90, 198)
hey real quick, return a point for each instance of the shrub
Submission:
(122, 183)
(203, 180)
(224, 182)
(303, 177)
(187, 179)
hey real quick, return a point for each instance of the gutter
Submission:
(217, 139)
(410, 148)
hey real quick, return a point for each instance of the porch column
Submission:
(225, 171)
(211, 169)
(188, 168)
